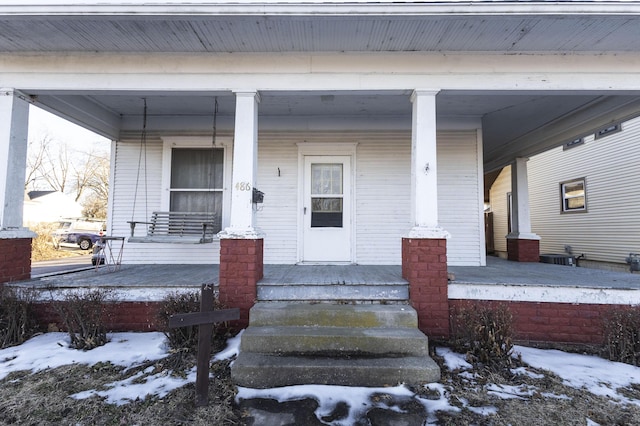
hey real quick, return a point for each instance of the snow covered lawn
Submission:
(130, 380)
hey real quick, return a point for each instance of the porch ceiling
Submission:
(514, 123)
(330, 26)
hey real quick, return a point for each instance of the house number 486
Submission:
(243, 186)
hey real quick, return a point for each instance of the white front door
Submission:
(327, 209)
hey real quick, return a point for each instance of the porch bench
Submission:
(176, 227)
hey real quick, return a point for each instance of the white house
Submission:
(48, 206)
(583, 198)
(367, 126)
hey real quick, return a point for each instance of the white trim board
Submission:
(544, 294)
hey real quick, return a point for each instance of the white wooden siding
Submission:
(124, 197)
(498, 199)
(610, 229)
(382, 191)
(383, 205)
(278, 179)
(383, 188)
(459, 189)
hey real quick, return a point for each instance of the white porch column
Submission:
(14, 120)
(520, 211)
(245, 163)
(424, 167)
(15, 241)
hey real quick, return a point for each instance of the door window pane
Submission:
(326, 212)
(326, 196)
(326, 179)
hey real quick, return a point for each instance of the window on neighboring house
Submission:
(574, 196)
(196, 185)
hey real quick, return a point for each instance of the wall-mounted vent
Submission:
(557, 259)
(573, 144)
(609, 130)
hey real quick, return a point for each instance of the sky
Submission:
(50, 350)
(43, 123)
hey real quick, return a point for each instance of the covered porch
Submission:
(498, 272)
(412, 124)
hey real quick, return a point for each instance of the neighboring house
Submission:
(49, 206)
(583, 198)
(368, 126)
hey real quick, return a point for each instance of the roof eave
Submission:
(327, 8)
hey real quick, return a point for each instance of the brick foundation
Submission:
(533, 322)
(241, 267)
(424, 265)
(551, 322)
(15, 259)
(521, 250)
(121, 316)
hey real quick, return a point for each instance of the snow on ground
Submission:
(599, 376)
(51, 350)
(328, 397)
(596, 375)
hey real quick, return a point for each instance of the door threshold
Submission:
(306, 263)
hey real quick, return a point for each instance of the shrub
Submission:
(84, 313)
(16, 318)
(622, 335)
(186, 338)
(42, 246)
(484, 333)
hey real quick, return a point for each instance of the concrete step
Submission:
(332, 315)
(333, 292)
(262, 371)
(335, 341)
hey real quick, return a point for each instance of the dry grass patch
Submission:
(45, 398)
(42, 246)
(550, 403)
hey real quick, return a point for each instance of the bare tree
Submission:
(91, 173)
(52, 165)
(96, 183)
(35, 162)
(57, 166)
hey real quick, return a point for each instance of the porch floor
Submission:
(334, 274)
(497, 271)
(501, 271)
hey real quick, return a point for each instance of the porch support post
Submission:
(15, 241)
(522, 244)
(424, 249)
(241, 244)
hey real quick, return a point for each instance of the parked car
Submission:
(83, 233)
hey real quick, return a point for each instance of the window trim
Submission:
(170, 142)
(563, 210)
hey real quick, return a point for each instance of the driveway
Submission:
(60, 266)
